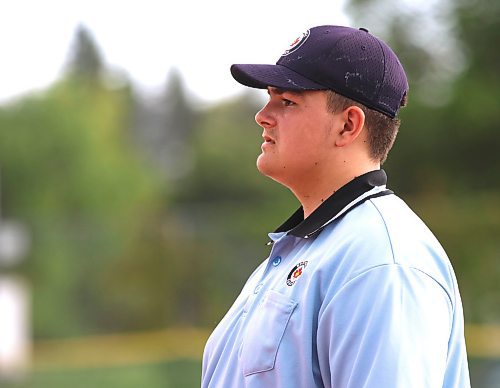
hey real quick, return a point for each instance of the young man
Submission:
(356, 291)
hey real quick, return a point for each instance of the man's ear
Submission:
(354, 120)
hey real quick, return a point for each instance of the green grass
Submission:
(175, 374)
(485, 373)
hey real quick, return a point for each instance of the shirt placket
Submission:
(278, 257)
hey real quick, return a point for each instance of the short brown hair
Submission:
(382, 129)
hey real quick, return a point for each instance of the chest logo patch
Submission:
(296, 273)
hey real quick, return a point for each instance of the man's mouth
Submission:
(268, 139)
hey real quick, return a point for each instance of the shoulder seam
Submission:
(395, 262)
(386, 229)
(367, 270)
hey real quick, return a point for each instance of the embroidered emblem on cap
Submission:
(296, 43)
(295, 273)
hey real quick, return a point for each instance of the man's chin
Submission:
(267, 169)
(263, 166)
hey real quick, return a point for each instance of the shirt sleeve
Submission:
(387, 327)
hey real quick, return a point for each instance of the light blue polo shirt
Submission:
(358, 295)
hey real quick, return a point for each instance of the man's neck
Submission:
(312, 193)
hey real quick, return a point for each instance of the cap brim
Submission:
(278, 76)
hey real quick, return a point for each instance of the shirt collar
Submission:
(347, 197)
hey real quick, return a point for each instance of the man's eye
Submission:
(287, 102)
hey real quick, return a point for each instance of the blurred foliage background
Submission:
(147, 212)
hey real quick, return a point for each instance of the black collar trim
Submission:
(338, 202)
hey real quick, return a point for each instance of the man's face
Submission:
(298, 136)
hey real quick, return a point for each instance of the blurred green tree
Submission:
(72, 175)
(227, 204)
(164, 128)
(85, 60)
(449, 125)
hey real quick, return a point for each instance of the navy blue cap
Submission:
(349, 61)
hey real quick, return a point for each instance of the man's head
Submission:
(355, 68)
(349, 61)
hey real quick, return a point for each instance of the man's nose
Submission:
(265, 118)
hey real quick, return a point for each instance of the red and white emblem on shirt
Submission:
(295, 273)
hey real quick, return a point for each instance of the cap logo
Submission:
(296, 273)
(299, 41)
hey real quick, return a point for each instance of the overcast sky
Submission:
(146, 38)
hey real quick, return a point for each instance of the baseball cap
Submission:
(349, 61)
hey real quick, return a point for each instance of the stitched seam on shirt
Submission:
(386, 229)
(346, 284)
(439, 283)
(415, 268)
